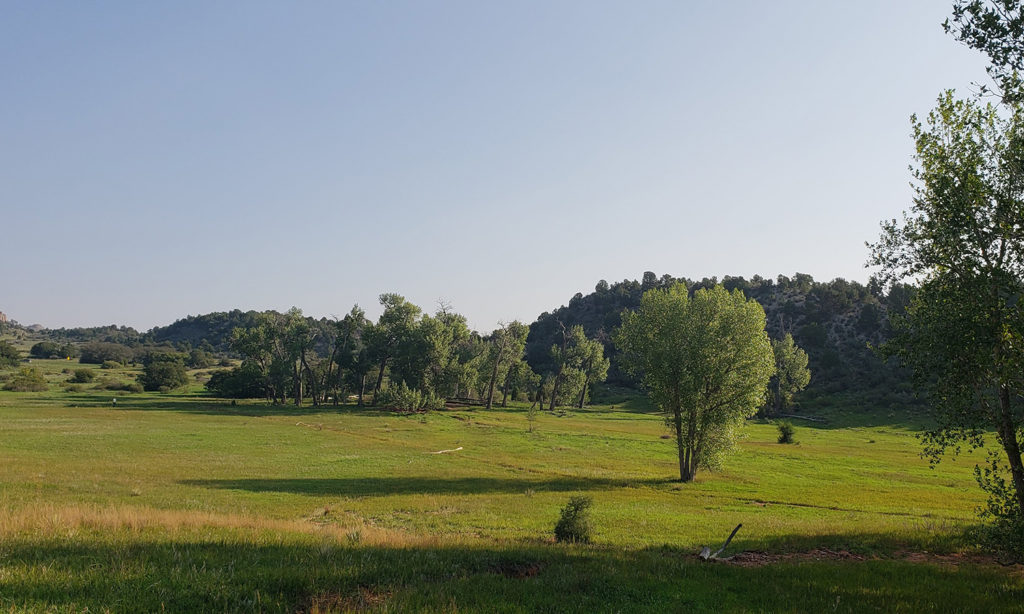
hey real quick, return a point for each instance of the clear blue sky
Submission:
(165, 159)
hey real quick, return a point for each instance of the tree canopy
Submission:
(704, 360)
(963, 239)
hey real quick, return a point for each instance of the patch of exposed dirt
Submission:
(758, 559)
(362, 599)
(517, 570)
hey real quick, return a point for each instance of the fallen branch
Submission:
(318, 427)
(707, 555)
(447, 451)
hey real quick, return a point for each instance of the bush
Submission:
(244, 382)
(199, 359)
(163, 372)
(9, 355)
(574, 522)
(83, 376)
(786, 430)
(28, 379)
(403, 398)
(111, 364)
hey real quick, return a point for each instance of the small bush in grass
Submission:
(110, 364)
(786, 430)
(83, 376)
(574, 522)
(28, 379)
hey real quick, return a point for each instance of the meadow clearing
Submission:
(180, 502)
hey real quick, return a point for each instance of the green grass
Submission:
(188, 503)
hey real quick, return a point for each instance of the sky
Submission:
(159, 160)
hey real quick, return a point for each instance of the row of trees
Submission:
(288, 356)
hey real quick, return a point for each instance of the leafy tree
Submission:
(9, 355)
(49, 349)
(963, 331)
(163, 372)
(505, 349)
(704, 360)
(393, 327)
(578, 362)
(791, 373)
(98, 352)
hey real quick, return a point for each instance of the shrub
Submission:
(83, 376)
(163, 372)
(9, 355)
(28, 379)
(786, 430)
(244, 382)
(574, 521)
(110, 364)
(199, 359)
(403, 398)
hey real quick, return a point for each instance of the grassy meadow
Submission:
(180, 502)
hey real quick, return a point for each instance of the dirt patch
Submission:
(758, 559)
(517, 570)
(361, 599)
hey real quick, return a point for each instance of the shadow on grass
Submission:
(235, 572)
(207, 405)
(418, 485)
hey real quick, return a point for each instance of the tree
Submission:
(394, 325)
(505, 349)
(163, 372)
(705, 361)
(963, 330)
(791, 373)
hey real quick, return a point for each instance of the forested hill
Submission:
(833, 321)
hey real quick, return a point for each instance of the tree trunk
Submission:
(1008, 433)
(583, 393)
(554, 390)
(380, 379)
(297, 384)
(685, 460)
(362, 388)
(490, 385)
(504, 390)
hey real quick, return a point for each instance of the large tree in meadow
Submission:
(705, 361)
(395, 325)
(963, 241)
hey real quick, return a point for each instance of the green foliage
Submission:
(9, 355)
(163, 372)
(199, 359)
(578, 363)
(27, 379)
(242, 382)
(574, 523)
(704, 361)
(98, 352)
(82, 376)
(963, 331)
(791, 373)
(402, 398)
(49, 349)
(110, 364)
(996, 28)
(786, 431)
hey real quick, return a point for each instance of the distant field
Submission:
(182, 502)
